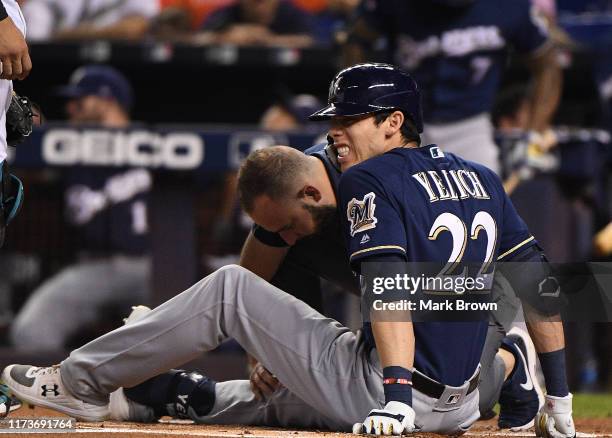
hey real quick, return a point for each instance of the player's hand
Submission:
(542, 142)
(555, 418)
(395, 419)
(16, 62)
(602, 242)
(263, 382)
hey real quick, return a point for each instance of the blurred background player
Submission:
(330, 17)
(195, 11)
(83, 19)
(289, 112)
(510, 117)
(457, 52)
(107, 209)
(258, 22)
(317, 19)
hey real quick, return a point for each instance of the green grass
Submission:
(589, 406)
(592, 405)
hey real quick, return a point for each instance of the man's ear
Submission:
(310, 192)
(395, 121)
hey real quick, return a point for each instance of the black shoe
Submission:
(521, 397)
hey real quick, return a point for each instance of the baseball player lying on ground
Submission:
(332, 377)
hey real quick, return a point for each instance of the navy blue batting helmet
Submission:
(372, 88)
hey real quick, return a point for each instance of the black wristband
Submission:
(401, 392)
(553, 368)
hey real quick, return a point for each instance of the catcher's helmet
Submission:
(372, 88)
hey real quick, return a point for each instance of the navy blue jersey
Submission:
(428, 206)
(108, 209)
(457, 56)
(323, 254)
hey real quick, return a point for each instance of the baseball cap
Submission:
(99, 80)
(301, 106)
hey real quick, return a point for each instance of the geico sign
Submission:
(137, 148)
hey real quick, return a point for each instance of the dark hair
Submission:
(408, 129)
(508, 101)
(271, 171)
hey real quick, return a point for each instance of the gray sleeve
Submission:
(40, 19)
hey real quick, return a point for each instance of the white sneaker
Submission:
(43, 387)
(122, 408)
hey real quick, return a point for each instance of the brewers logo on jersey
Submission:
(360, 213)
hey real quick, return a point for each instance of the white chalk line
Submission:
(171, 432)
(276, 434)
(524, 434)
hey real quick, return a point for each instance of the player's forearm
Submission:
(549, 342)
(295, 41)
(394, 342)
(547, 82)
(261, 259)
(395, 346)
(547, 335)
(129, 28)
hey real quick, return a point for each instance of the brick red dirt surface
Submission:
(595, 427)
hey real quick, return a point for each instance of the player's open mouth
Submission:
(342, 151)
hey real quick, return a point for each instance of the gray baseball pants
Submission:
(83, 291)
(332, 379)
(471, 138)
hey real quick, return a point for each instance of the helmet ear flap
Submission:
(408, 102)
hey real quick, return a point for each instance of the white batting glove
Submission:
(396, 418)
(555, 418)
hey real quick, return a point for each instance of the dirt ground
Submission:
(596, 427)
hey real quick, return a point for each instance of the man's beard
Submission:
(324, 217)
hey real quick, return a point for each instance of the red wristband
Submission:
(391, 381)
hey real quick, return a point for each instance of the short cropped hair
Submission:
(271, 171)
